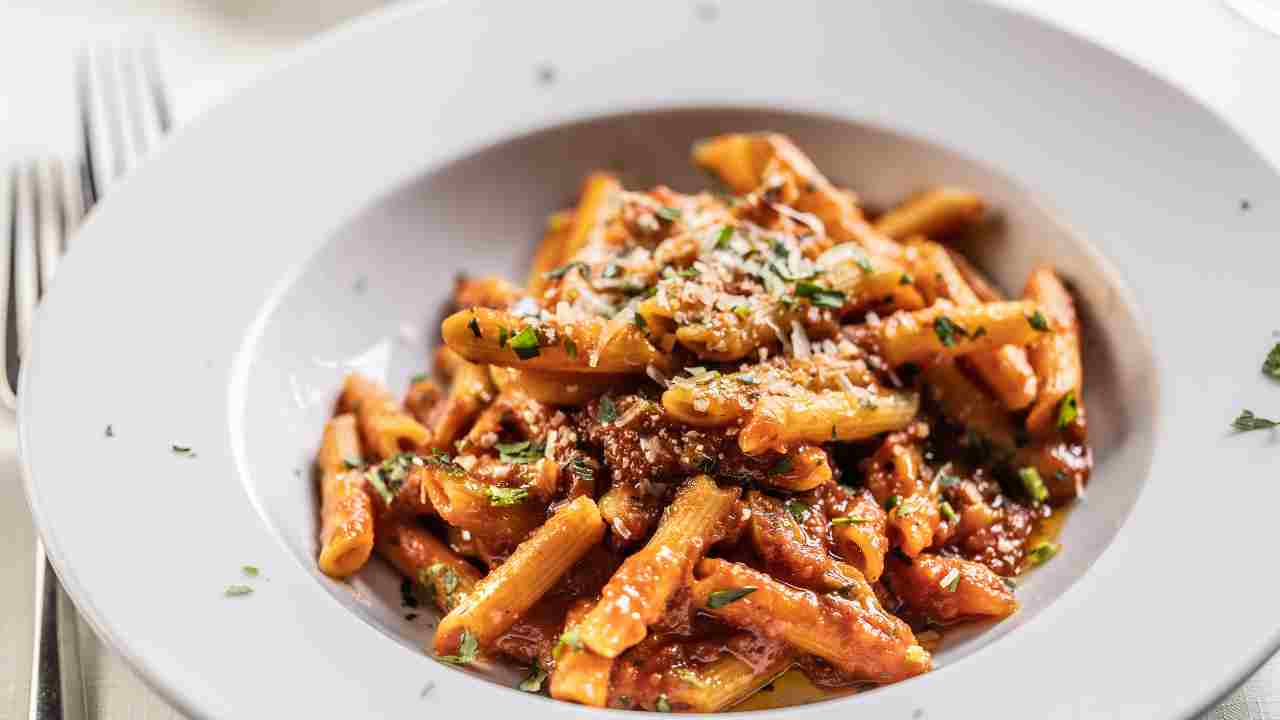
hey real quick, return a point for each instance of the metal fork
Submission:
(123, 112)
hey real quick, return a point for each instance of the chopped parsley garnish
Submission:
(582, 469)
(638, 321)
(441, 460)
(905, 279)
(950, 581)
(847, 520)
(568, 639)
(820, 296)
(690, 677)
(608, 411)
(947, 511)
(407, 598)
(611, 271)
(798, 510)
(475, 326)
(982, 330)
(421, 377)
(662, 705)
(388, 476)
(570, 347)
(533, 682)
(249, 570)
(468, 650)
(525, 343)
(781, 467)
(722, 240)
(946, 480)
(352, 463)
(557, 273)
(706, 464)
(669, 214)
(1068, 409)
(520, 453)
(1038, 322)
(689, 273)
(947, 331)
(720, 598)
(448, 580)
(1009, 583)
(892, 502)
(742, 311)
(1270, 366)
(184, 451)
(503, 334)
(1033, 484)
(237, 590)
(1040, 553)
(865, 265)
(1248, 421)
(506, 497)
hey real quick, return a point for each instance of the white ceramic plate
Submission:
(315, 222)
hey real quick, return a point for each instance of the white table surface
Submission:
(208, 48)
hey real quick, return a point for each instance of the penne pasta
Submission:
(385, 427)
(896, 477)
(502, 596)
(935, 213)
(419, 556)
(469, 392)
(580, 675)
(346, 512)
(945, 330)
(638, 593)
(982, 287)
(858, 527)
(555, 388)
(1056, 359)
(778, 421)
(551, 251)
(945, 589)
(860, 638)
(598, 201)
(723, 683)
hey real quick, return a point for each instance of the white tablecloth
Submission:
(210, 47)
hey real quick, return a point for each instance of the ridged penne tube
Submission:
(723, 683)
(896, 478)
(637, 594)
(346, 512)
(981, 286)
(862, 539)
(1006, 369)
(969, 405)
(778, 421)
(498, 600)
(597, 202)
(580, 675)
(550, 251)
(935, 213)
(419, 556)
(463, 501)
(495, 337)
(469, 392)
(944, 589)
(422, 397)
(702, 406)
(804, 468)
(555, 388)
(780, 535)
(886, 281)
(744, 161)
(860, 638)
(1056, 359)
(947, 330)
(386, 428)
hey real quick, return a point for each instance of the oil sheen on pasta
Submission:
(744, 448)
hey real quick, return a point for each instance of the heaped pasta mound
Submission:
(719, 437)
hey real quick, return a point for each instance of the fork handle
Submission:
(57, 692)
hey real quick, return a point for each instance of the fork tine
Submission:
(8, 206)
(48, 181)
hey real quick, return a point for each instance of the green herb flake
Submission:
(981, 331)
(847, 520)
(570, 347)
(1009, 583)
(720, 598)
(249, 570)
(951, 580)
(557, 273)
(568, 639)
(689, 273)
(669, 214)
(1041, 552)
(475, 326)
(782, 467)
(375, 480)
(1068, 409)
(503, 334)
(947, 480)
(506, 497)
(798, 510)
(820, 296)
(742, 311)
(421, 377)
(948, 512)
(237, 590)
(521, 453)
(1271, 366)
(722, 240)
(947, 331)
(1038, 321)
(183, 451)
(1033, 484)
(865, 265)
(581, 468)
(608, 411)
(892, 502)
(468, 650)
(533, 681)
(906, 279)
(1248, 421)
(662, 705)
(352, 463)
(638, 321)
(525, 343)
